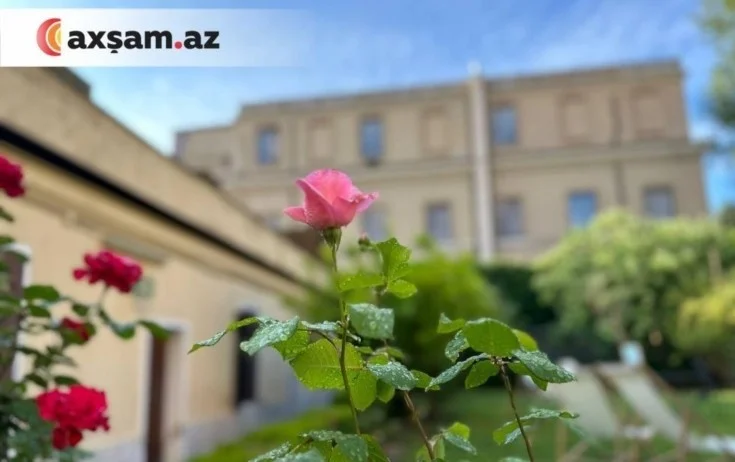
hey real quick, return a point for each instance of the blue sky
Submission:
(370, 44)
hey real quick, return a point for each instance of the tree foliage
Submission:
(629, 276)
(718, 20)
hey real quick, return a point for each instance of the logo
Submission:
(48, 37)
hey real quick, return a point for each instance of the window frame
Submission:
(658, 188)
(521, 217)
(450, 216)
(276, 133)
(368, 157)
(495, 110)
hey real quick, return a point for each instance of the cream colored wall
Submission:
(405, 206)
(544, 194)
(544, 165)
(541, 120)
(403, 125)
(197, 286)
(36, 102)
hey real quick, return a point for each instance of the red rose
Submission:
(114, 270)
(79, 408)
(77, 328)
(11, 178)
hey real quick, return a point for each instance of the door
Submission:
(165, 400)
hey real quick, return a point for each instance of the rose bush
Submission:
(53, 423)
(354, 354)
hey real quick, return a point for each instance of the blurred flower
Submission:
(80, 408)
(11, 178)
(114, 270)
(330, 200)
(76, 328)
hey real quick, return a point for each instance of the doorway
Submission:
(165, 381)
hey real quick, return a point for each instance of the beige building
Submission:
(497, 167)
(91, 184)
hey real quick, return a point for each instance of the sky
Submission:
(361, 45)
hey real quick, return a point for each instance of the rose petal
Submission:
(331, 184)
(296, 213)
(317, 209)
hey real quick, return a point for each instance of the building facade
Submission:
(497, 167)
(92, 184)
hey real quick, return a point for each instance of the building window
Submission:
(371, 140)
(582, 208)
(439, 222)
(505, 126)
(510, 217)
(659, 202)
(374, 224)
(267, 146)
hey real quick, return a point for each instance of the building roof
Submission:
(95, 147)
(16, 139)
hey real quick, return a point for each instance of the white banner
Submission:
(153, 38)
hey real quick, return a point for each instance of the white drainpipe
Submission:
(481, 177)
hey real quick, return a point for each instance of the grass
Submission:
(483, 410)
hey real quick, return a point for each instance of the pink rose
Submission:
(330, 200)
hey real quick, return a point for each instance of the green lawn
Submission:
(483, 411)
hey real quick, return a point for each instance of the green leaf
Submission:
(479, 374)
(447, 326)
(395, 374)
(386, 392)
(527, 342)
(155, 329)
(371, 321)
(80, 309)
(360, 280)
(509, 432)
(317, 367)
(458, 435)
(395, 258)
(520, 369)
(291, 348)
(452, 372)
(124, 331)
(269, 334)
(456, 346)
(62, 380)
(213, 340)
(401, 288)
(491, 336)
(363, 386)
(41, 292)
(459, 429)
(39, 311)
(325, 327)
(354, 448)
(37, 379)
(541, 366)
(312, 455)
(5, 215)
(375, 451)
(280, 451)
(389, 351)
(423, 380)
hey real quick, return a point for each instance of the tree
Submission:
(718, 20)
(628, 276)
